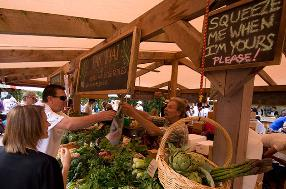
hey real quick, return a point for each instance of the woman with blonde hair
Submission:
(21, 165)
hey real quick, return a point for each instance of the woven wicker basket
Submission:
(173, 180)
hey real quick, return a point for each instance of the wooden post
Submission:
(76, 103)
(232, 112)
(174, 78)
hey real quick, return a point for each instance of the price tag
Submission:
(152, 168)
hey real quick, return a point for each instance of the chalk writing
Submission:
(247, 33)
(106, 69)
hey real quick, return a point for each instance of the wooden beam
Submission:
(149, 55)
(164, 84)
(29, 83)
(189, 64)
(174, 79)
(34, 23)
(16, 78)
(7, 56)
(275, 88)
(188, 38)
(26, 71)
(140, 68)
(149, 89)
(43, 24)
(266, 78)
(181, 86)
(149, 68)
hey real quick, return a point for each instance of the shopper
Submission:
(89, 106)
(54, 99)
(29, 98)
(21, 165)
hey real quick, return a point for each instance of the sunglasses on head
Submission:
(63, 98)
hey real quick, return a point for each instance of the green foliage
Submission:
(92, 171)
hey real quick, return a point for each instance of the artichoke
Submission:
(181, 162)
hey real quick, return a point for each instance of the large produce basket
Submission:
(173, 180)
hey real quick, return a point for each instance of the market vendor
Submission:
(175, 110)
(54, 100)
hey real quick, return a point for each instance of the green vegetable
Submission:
(194, 176)
(250, 167)
(207, 175)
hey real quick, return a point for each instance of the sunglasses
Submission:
(63, 98)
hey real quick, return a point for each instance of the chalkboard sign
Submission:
(110, 69)
(57, 78)
(245, 34)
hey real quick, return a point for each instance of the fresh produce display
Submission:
(102, 165)
(195, 167)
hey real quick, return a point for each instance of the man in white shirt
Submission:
(54, 99)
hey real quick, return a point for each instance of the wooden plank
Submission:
(26, 71)
(233, 112)
(266, 78)
(181, 86)
(150, 89)
(43, 24)
(34, 23)
(133, 60)
(189, 64)
(140, 68)
(29, 83)
(94, 96)
(188, 38)
(149, 55)
(149, 68)
(269, 98)
(217, 79)
(174, 79)
(275, 88)
(16, 78)
(164, 84)
(7, 56)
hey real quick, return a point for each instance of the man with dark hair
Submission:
(54, 99)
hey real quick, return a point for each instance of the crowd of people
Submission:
(33, 134)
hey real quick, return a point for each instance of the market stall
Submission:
(90, 74)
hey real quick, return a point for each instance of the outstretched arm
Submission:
(143, 119)
(74, 123)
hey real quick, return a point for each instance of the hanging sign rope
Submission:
(205, 27)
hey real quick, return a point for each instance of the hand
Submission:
(127, 109)
(65, 157)
(106, 115)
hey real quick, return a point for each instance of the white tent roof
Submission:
(113, 10)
